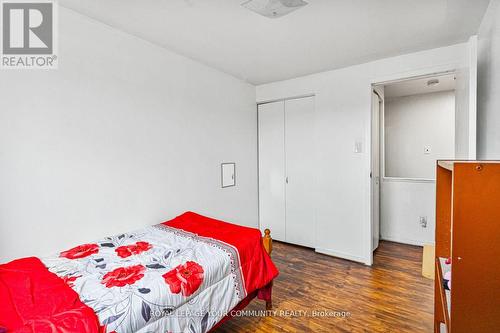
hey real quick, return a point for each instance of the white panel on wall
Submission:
(402, 205)
(228, 174)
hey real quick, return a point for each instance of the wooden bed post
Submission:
(268, 241)
(268, 246)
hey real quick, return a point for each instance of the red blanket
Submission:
(256, 265)
(36, 300)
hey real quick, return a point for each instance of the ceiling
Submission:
(324, 35)
(419, 86)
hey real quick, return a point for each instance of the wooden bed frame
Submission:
(267, 241)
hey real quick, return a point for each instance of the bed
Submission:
(184, 275)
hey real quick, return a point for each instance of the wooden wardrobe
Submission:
(468, 231)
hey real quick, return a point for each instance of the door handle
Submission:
(286, 179)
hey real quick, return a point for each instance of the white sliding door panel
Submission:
(272, 168)
(299, 156)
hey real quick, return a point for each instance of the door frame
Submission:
(401, 77)
(376, 159)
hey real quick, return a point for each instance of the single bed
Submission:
(184, 275)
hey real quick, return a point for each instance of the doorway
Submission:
(413, 126)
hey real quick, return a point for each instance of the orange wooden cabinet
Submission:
(468, 231)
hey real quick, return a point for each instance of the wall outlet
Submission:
(423, 221)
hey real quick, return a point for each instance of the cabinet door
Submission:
(299, 152)
(272, 168)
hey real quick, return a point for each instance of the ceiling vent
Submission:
(273, 8)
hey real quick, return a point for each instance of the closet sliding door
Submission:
(299, 164)
(272, 168)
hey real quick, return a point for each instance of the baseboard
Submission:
(405, 241)
(340, 255)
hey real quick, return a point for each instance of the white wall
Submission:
(123, 135)
(489, 84)
(401, 206)
(343, 104)
(412, 123)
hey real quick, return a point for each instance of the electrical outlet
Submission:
(423, 221)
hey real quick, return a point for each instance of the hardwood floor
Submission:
(390, 296)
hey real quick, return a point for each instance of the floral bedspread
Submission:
(157, 279)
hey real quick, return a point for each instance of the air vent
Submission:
(273, 8)
(432, 82)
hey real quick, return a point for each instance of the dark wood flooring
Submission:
(390, 296)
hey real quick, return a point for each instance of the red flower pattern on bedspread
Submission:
(137, 248)
(123, 276)
(186, 278)
(69, 280)
(80, 251)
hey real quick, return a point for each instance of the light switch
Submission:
(423, 221)
(358, 147)
(427, 150)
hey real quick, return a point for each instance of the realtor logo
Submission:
(28, 34)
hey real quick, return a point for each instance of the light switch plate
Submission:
(358, 147)
(423, 221)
